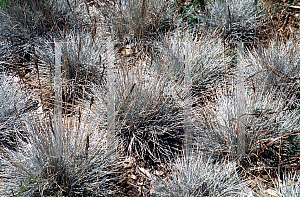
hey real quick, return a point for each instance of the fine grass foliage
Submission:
(153, 48)
(237, 20)
(138, 19)
(77, 166)
(198, 176)
(276, 63)
(25, 23)
(287, 186)
(205, 56)
(14, 104)
(148, 118)
(267, 114)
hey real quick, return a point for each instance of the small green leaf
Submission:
(12, 191)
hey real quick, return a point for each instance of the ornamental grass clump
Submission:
(148, 118)
(275, 64)
(83, 62)
(67, 161)
(237, 20)
(158, 86)
(25, 23)
(22, 21)
(84, 59)
(14, 104)
(273, 72)
(198, 176)
(204, 54)
(151, 90)
(268, 111)
(266, 116)
(139, 19)
(288, 185)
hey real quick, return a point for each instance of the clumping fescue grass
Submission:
(148, 118)
(14, 103)
(141, 19)
(84, 59)
(276, 64)
(198, 176)
(25, 23)
(288, 185)
(150, 90)
(204, 54)
(237, 20)
(83, 63)
(272, 72)
(267, 114)
(270, 103)
(35, 18)
(78, 166)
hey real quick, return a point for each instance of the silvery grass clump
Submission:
(265, 115)
(273, 72)
(13, 99)
(14, 103)
(276, 64)
(83, 62)
(83, 57)
(215, 125)
(150, 92)
(289, 185)
(67, 161)
(236, 19)
(204, 54)
(266, 112)
(198, 176)
(135, 18)
(148, 118)
(25, 22)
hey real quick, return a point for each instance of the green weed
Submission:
(23, 188)
(3, 4)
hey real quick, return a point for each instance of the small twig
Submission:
(279, 137)
(229, 14)
(284, 77)
(279, 157)
(87, 145)
(285, 22)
